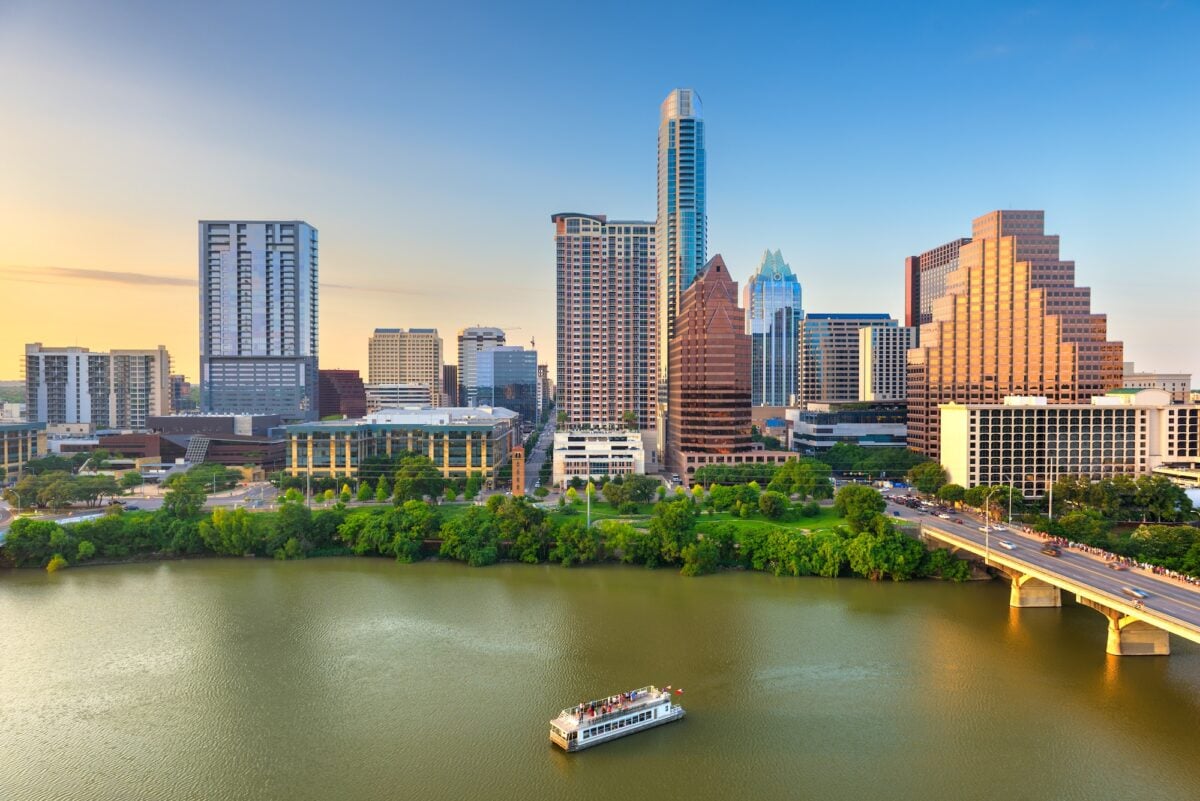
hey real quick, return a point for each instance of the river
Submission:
(366, 679)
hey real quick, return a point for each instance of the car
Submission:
(132, 507)
(1134, 592)
(943, 515)
(999, 528)
(958, 520)
(1116, 566)
(1051, 550)
(1007, 545)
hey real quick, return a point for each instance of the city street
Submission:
(535, 460)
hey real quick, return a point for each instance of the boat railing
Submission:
(645, 696)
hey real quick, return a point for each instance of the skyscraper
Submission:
(607, 321)
(681, 239)
(773, 315)
(471, 342)
(258, 318)
(925, 280)
(709, 386)
(1011, 322)
(829, 355)
(396, 356)
(507, 378)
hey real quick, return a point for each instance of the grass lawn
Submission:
(827, 520)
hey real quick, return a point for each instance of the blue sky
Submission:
(431, 144)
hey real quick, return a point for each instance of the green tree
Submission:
(471, 538)
(184, 499)
(640, 489)
(614, 493)
(629, 419)
(230, 532)
(773, 505)
(576, 544)
(880, 550)
(928, 477)
(858, 503)
(85, 551)
(474, 485)
(56, 563)
(384, 490)
(364, 491)
(697, 494)
(951, 493)
(131, 479)
(673, 524)
(450, 494)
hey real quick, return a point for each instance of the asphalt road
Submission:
(535, 460)
(1164, 595)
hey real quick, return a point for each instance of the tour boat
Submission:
(598, 722)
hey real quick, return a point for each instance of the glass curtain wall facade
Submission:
(258, 318)
(472, 342)
(682, 223)
(773, 314)
(508, 380)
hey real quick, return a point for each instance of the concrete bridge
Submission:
(1038, 580)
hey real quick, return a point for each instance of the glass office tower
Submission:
(773, 315)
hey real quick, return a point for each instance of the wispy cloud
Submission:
(59, 275)
(53, 275)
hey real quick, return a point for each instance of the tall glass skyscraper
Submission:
(773, 315)
(258, 318)
(682, 227)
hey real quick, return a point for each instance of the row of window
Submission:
(616, 725)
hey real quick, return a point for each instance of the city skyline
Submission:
(115, 218)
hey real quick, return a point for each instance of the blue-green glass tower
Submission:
(773, 315)
(681, 238)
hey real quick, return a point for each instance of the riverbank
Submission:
(830, 542)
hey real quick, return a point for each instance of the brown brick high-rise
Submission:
(1011, 322)
(709, 382)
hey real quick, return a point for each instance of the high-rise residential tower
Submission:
(681, 241)
(75, 386)
(709, 385)
(396, 356)
(1011, 322)
(471, 342)
(607, 321)
(258, 318)
(829, 355)
(773, 315)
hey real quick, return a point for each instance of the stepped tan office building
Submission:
(1031, 442)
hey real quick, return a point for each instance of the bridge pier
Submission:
(1128, 635)
(1030, 592)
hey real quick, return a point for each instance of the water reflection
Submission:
(353, 678)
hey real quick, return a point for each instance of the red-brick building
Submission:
(708, 387)
(342, 394)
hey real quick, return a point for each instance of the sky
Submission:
(430, 143)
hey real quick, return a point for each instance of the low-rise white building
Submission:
(397, 396)
(595, 454)
(1030, 442)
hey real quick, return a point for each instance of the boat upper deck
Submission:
(613, 707)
